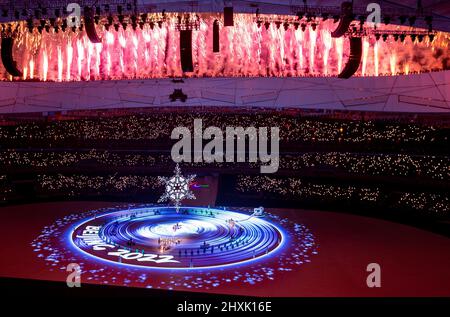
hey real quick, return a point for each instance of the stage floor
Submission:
(327, 257)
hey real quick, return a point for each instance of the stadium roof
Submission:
(414, 93)
(417, 93)
(440, 8)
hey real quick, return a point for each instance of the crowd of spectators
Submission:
(86, 154)
(74, 185)
(402, 165)
(298, 189)
(157, 126)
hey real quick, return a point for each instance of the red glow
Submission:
(246, 50)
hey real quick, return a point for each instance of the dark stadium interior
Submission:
(388, 167)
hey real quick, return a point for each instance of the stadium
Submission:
(136, 139)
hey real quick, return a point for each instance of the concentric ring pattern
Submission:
(159, 237)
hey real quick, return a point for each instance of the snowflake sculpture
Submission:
(177, 187)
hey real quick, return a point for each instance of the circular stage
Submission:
(320, 253)
(159, 237)
(197, 248)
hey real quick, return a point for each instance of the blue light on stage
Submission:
(161, 238)
(154, 247)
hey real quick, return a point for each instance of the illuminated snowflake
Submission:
(177, 187)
